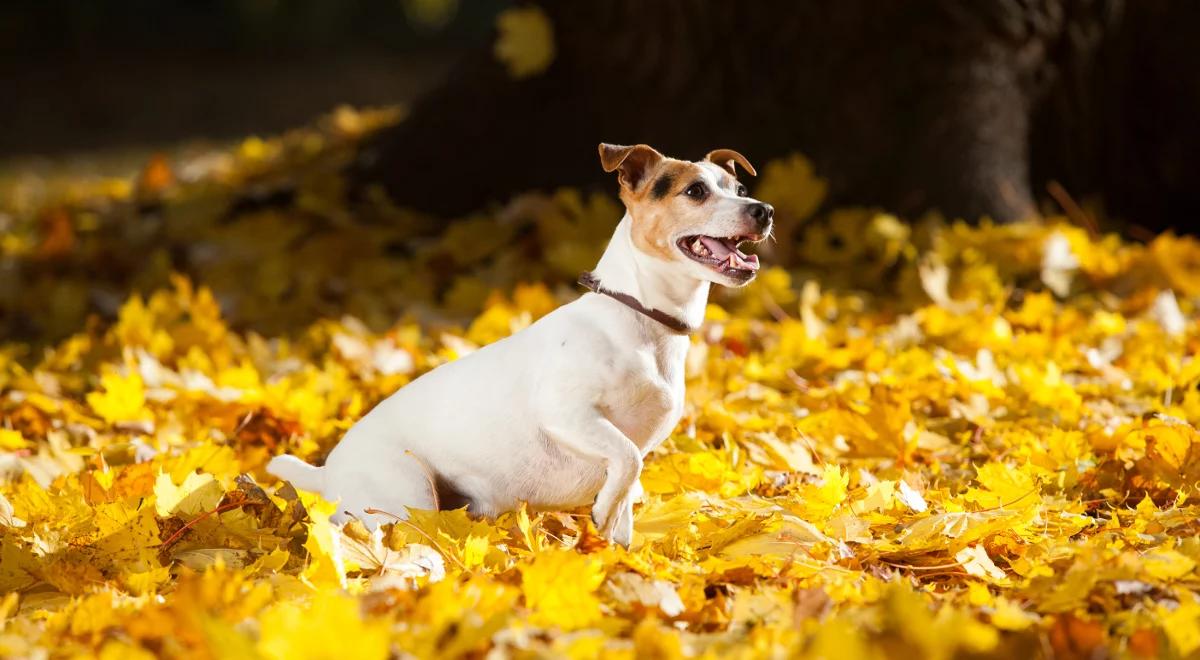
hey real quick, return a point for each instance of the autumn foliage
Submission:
(927, 439)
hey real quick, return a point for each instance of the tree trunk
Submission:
(1125, 123)
(908, 105)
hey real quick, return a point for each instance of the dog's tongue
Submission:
(729, 254)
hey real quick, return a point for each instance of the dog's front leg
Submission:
(623, 533)
(623, 529)
(593, 436)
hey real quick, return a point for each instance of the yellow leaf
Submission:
(123, 398)
(121, 651)
(127, 533)
(975, 560)
(1167, 565)
(1182, 625)
(1003, 485)
(226, 642)
(326, 567)
(526, 41)
(146, 582)
(474, 550)
(214, 459)
(792, 186)
(331, 627)
(560, 588)
(1007, 615)
(821, 500)
(11, 440)
(199, 493)
(651, 640)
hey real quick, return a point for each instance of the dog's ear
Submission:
(725, 158)
(632, 163)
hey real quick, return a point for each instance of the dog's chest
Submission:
(649, 402)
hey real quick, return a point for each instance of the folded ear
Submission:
(632, 163)
(725, 158)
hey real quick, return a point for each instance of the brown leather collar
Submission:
(673, 323)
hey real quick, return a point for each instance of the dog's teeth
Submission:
(698, 247)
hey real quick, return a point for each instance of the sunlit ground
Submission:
(928, 439)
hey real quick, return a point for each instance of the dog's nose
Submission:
(760, 211)
(762, 214)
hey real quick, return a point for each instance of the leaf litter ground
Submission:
(922, 438)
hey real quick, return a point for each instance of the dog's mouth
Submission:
(721, 254)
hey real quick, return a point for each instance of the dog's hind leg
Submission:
(381, 496)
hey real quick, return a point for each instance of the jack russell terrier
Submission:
(560, 414)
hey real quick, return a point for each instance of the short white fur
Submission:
(558, 415)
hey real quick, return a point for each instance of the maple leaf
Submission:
(123, 398)
(199, 493)
(326, 565)
(287, 630)
(559, 588)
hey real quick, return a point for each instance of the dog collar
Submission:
(590, 282)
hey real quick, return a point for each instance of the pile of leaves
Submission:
(930, 439)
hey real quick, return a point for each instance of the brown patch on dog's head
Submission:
(659, 210)
(647, 178)
(632, 163)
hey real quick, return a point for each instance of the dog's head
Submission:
(692, 215)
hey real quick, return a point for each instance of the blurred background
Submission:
(397, 141)
(82, 76)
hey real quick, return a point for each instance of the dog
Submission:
(562, 413)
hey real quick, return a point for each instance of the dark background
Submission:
(969, 107)
(82, 75)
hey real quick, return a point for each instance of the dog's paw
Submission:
(601, 520)
(620, 528)
(623, 536)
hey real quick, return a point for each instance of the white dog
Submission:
(560, 414)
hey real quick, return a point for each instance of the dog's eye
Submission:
(696, 191)
(741, 190)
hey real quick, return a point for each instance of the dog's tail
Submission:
(301, 474)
